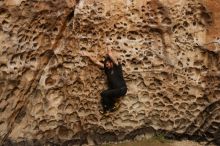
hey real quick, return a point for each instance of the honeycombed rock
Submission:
(49, 94)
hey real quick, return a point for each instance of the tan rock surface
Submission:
(48, 92)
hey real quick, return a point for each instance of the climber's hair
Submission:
(107, 59)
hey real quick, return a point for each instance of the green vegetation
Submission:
(160, 137)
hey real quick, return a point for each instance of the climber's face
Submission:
(109, 64)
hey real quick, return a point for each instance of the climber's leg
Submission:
(109, 97)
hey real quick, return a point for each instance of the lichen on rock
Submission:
(51, 94)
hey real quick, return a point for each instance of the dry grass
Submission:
(157, 141)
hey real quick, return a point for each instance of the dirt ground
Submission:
(153, 142)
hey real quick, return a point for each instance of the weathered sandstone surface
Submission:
(50, 94)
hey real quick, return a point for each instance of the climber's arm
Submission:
(92, 58)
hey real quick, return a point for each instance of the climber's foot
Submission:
(104, 112)
(116, 107)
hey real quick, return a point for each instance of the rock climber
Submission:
(116, 83)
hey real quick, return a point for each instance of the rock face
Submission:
(50, 94)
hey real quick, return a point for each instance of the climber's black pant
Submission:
(110, 96)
